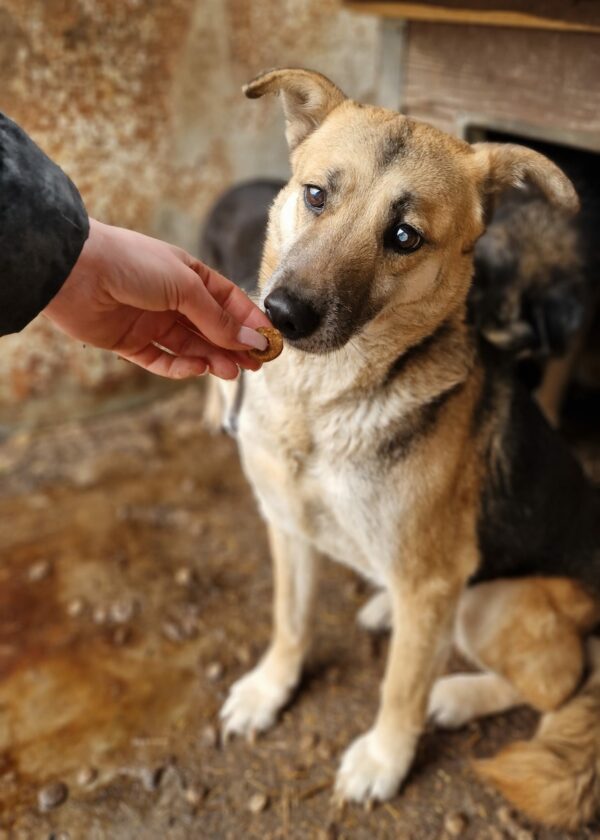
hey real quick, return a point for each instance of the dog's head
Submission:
(529, 294)
(378, 223)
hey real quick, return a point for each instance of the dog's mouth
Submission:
(312, 326)
(325, 339)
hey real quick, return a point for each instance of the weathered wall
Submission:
(139, 101)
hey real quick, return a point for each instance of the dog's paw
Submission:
(461, 698)
(451, 702)
(371, 770)
(253, 703)
(376, 615)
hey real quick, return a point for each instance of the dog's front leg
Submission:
(375, 764)
(255, 700)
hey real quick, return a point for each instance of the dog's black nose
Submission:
(294, 317)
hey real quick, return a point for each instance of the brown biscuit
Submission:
(273, 348)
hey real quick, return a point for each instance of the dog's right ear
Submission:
(506, 165)
(307, 98)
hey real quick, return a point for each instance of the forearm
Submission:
(43, 227)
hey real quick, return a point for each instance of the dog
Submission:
(388, 437)
(532, 294)
(232, 239)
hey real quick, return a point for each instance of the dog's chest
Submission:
(314, 478)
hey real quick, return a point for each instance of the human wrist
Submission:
(90, 264)
(95, 251)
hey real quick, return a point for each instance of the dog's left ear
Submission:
(307, 98)
(504, 165)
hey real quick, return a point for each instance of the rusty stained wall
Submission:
(139, 101)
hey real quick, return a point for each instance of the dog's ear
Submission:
(505, 165)
(307, 98)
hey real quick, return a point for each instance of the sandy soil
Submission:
(134, 588)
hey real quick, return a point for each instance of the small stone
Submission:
(120, 612)
(100, 615)
(52, 795)
(455, 824)
(184, 576)
(209, 736)
(214, 671)
(257, 803)
(75, 607)
(173, 631)
(194, 796)
(504, 816)
(86, 776)
(151, 777)
(494, 833)
(38, 571)
(523, 834)
(62, 835)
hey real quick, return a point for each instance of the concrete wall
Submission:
(139, 101)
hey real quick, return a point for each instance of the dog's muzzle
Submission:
(293, 316)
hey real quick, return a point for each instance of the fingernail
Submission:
(251, 338)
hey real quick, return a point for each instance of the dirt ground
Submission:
(134, 588)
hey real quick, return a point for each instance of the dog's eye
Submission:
(314, 198)
(403, 238)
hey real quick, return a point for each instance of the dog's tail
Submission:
(555, 777)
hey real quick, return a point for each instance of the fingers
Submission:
(156, 339)
(158, 361)
(162, 363)
(235, 301)
(184, 340)
(221, 311)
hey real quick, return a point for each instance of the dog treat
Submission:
(273, 348)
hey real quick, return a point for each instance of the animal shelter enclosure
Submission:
(135, 581)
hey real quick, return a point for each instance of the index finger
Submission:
(231, 298)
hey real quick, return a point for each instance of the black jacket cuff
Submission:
(43, 227)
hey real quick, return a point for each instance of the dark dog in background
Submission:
(529, 296)
(533, 290)
(233, 236)
(536, 288)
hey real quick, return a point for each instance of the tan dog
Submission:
(388, 439)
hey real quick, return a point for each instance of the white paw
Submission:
(373, 770)
(451, 701)
(376, 615)
(253, 703)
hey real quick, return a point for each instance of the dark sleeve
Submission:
(43, 226)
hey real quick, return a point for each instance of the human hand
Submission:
(141, 297)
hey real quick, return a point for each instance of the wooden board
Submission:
(539, 84)
(564, 15)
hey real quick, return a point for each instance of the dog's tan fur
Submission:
(556, 777)
(344, 459)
